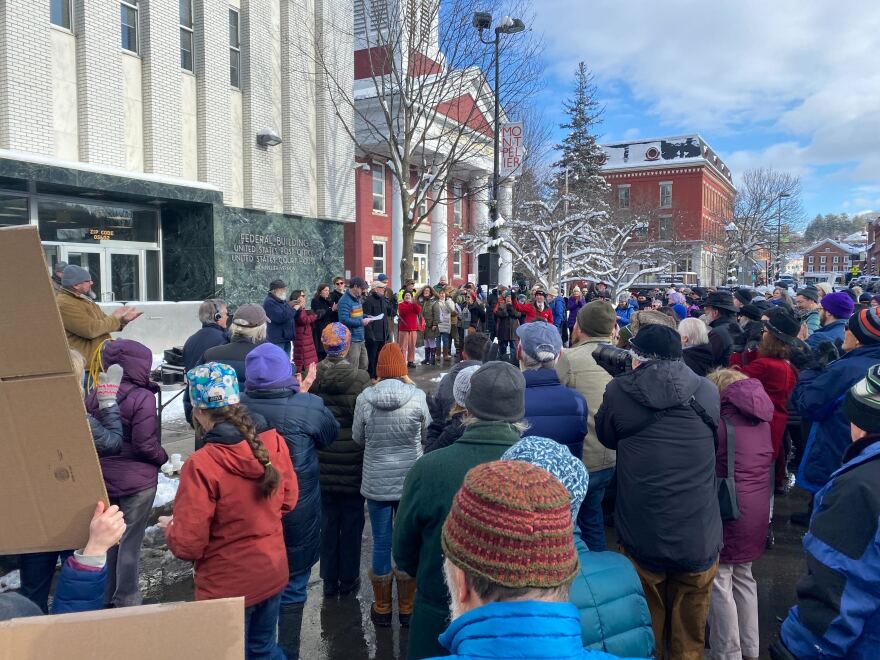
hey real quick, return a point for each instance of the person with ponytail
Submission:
(227, 514)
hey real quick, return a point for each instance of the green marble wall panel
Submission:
(253, 248)
(188, 251)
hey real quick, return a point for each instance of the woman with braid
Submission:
(227, 515)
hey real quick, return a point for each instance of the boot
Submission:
(433, 357)
(289, 626)
(406, 595)
(380, 611)
(427, 359)
(445, 354)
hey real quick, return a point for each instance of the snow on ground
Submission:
(10, 581)
(166, 491)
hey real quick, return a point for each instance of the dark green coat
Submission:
(427, 497)
(338, 383)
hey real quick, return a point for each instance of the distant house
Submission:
(827, 258)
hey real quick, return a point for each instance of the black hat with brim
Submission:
(783, 325)
(721, 300)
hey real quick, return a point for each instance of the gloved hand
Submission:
(108, 386)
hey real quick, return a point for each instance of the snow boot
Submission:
(427, 359)
(289, 627)
(406, 595)
(433, 357)
(380, 610)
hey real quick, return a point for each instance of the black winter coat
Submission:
(373, 306)
(338, 383)
(724, 333)
(451, 431)
(667, 514)
(233, 354)
(208, 336)
(306, 425)
(323, 309)
(507, 320)
(699, 358)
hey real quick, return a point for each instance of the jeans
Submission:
(382, 522)
(357, 355)
(37, 571)
(261, 630)
(733, 614)
(123, 559)
(297, 588)
(445, 341)
(342, 526)
(590, 520)
(373, 348)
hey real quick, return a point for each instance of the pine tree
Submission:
(579, 152)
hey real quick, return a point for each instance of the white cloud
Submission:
(805, 70)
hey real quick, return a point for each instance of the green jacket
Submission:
(427, 497)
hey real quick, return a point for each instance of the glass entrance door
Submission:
(92, 261)
(125, 275)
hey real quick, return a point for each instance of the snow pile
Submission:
(166, 491)
(10, 581)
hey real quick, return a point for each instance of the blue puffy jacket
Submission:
(306, 425)
(838, 610)
(614, 613)
(555, 411)
(526, 630)
(282, 320)
(79, 590)
(558, 309)
(818, 397)
(351, 315)
(624, 315)
(832, 332)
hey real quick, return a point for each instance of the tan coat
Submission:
(577, 368)
(85, 323)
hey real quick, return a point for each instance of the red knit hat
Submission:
(391, 363)
(511, 523)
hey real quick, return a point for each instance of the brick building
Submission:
(176, 148)
(685, 189)
(827, 258)
(373, 244)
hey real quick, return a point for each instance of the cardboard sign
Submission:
(205, 629)
(50, 478)
(512, 148)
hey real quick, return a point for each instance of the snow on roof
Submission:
(856, 238)
(851, 249)
(663, 152)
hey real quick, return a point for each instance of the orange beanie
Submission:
(391, 363)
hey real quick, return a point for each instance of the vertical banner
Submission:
(512, 148)
(368, 274)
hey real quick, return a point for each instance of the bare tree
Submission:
(421, 103)
(767, 201)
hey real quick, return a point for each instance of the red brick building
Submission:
(827, 258)
(688, 193)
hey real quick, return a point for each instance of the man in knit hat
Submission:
(838, 610)
(661, 419)
(504, 587)
(807, 302)
(819, 396)
(351, 315)
(86, 324)
(835, 310)
(495, 405)
(577, 368)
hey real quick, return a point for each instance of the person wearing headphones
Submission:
(214, 317)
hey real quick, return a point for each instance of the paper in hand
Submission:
(374, 318)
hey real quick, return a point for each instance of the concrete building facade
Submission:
(176, 148)
(685, 190)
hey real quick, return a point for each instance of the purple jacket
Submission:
(135, 468)
(574, 306)
(747, 407)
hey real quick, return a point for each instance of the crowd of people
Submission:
(687, 407)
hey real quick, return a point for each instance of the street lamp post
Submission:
(779, 233)
(483, 21)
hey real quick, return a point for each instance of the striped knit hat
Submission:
(862, 403)
(865, 325)
(511, 524)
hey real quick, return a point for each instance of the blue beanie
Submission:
(558, 461)
(268, 368)
(74, 275)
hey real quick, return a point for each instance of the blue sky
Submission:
(787, 84)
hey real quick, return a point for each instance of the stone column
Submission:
(396, 235)
(438, 257)
(480, 208)
(505, 209)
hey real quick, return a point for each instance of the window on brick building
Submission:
(234, 49)
(665, 195)
(836, 259)
(821, 269)
(129, 24)
(378, 188)
(822, 259)
(664, 227)
(456, 263)
(59, 13)
(456, 205)
(378, 257)
(623, 197)
(810, 259)
(186, 35)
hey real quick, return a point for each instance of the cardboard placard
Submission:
(50, 478)
(205, 629)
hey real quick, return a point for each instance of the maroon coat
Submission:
(304, 352)
(778, 378)
(747, 407)
(135, 468)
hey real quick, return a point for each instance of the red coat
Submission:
(778, 378)
(223, 523)
(531, 312)
(304, 352)
(408, 314)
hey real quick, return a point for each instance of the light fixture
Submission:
(268, 138)
(510, 25)
(482, 20)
